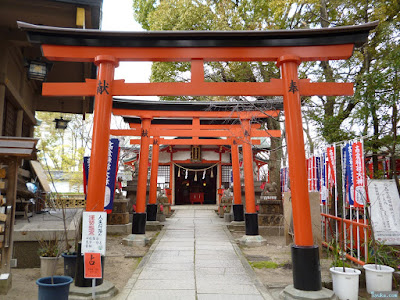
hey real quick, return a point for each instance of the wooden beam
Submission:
(209, 142)
(306, 53)
(191, 127)
(196, 133)
(272, 88)
(199, 114)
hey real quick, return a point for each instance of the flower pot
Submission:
(378, 278)
(345, 284)
(48, 266)
(58, 290)
(69, 264)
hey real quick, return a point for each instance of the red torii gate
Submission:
(235, 134)
(288, 48)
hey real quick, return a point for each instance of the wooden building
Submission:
(22, 72)
(20, 93)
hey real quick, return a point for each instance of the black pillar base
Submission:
(306, 268)
(80, 279)
(251, 222)
(151, 212)
(238, 213)
(139, 223)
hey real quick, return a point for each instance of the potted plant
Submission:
(70, 254)
(49, 253)
(345, 280)
(50, 286)
(382, 261)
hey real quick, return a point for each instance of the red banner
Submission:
(331, 164)
(358, 175)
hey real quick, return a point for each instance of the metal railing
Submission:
(351, 236)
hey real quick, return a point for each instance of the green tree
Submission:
(373, 67)
(216, 15)
(63, 150)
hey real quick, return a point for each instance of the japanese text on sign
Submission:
(92, 265)
(94, 232)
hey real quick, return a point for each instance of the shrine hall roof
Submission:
(357, 35)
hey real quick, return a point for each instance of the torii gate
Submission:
(235, 133)
(288, 48)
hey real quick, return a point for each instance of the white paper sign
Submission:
(94, 226)
(160, 179)
(385, 210)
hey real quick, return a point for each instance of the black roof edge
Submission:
(273, 104)
(137, 120)
(355, 34)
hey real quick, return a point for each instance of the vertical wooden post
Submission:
(305, 256)
(139, 217)
(2, 104)
(152, 206)
(3, 70)
(6, 249)
(238, 215)
(11, 196)
(101, 133)
(251, 217)
(19, 122)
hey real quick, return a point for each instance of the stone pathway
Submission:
(194, 258)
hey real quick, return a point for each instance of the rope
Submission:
(197, 170)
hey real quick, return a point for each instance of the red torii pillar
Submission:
(238, 215)
(152, 206)
(251, 216)
(139, 216)
(305, 255)
(101, 132)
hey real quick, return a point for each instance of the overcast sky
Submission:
(118, 16)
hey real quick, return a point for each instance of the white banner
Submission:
(94, 226)
(385, 210)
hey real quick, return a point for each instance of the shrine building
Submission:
(197, 170)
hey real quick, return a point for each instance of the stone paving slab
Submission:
(216, 253)
(172, 259)
(194, 258)
(171, 267)
(228, 297)
(171, 275)
(171, 253)
(218, 271)
(223, 278)
(162, 295)
(216, 288)
(227, 256)
(164, 284)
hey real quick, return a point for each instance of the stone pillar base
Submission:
(252, 240)
(5, 283)
(290, 293)
(136, 240)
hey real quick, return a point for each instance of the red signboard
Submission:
(92, 265)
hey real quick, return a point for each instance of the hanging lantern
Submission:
(195, 176)
(179, 172)
(212, 173)
(204, 174)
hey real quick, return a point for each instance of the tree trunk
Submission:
(275, 157)
(375, 145)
